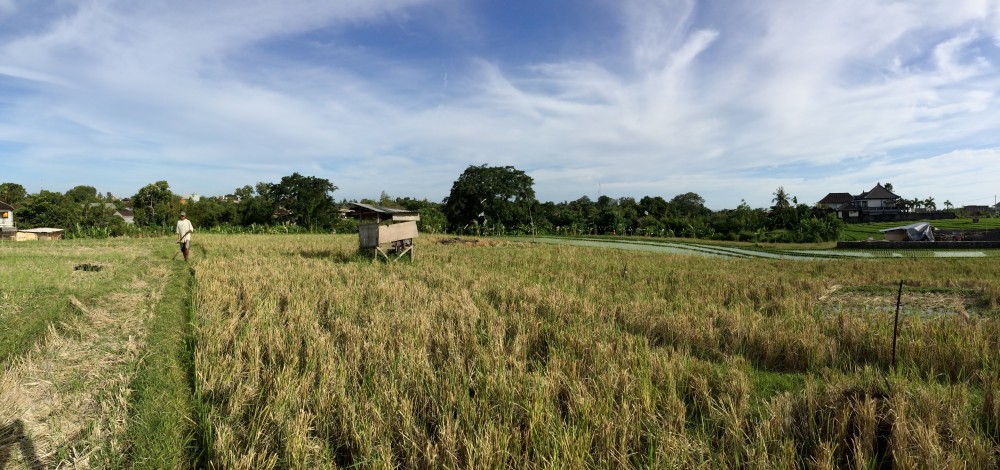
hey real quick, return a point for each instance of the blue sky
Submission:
(729, 99)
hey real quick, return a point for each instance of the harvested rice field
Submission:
(293, 351)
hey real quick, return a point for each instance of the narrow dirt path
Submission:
(63, 402)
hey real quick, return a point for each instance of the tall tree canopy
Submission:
(152, 204)
(256, 206)
(49, 209)
(495, 196)
(689, 205)
(82, 194)
(12, 193)
(308, 198)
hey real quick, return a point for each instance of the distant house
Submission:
(126, 214)
(877, 204)
(7, 227)
(106, 205)
(975, 210)
(835, 200)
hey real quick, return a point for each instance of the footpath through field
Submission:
(64, 400)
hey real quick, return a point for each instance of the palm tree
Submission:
(780, 198)
(929, 203)
(948, 205)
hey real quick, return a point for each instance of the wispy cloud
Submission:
(728, 99)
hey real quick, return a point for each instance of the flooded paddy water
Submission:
(733, 251)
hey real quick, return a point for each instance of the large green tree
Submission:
(82, 194)
(49, 209)
(308, 198)
(12, 193)
(101, 217)
(210, 212)
(432, 219)
(497, 197)
(152, 204)
(689, 205)
(255, 206)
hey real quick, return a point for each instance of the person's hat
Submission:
(184, 213)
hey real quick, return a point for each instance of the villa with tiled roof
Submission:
(879, 203)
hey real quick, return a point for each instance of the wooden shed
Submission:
(396, 236)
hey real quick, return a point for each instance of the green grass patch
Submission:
(38, 279)
(160, 431)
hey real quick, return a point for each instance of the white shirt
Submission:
(184, 229)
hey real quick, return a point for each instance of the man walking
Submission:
(184, 229)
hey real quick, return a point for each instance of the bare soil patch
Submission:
(471, 242)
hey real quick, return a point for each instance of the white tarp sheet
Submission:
(918, 232)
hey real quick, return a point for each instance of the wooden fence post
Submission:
(895, 324)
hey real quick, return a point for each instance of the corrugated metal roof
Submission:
(381, 209)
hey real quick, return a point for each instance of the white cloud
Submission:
(711, 93)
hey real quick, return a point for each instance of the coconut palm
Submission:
(780, 198)
(929, 203)
(948, 205)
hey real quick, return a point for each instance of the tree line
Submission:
(484, 200)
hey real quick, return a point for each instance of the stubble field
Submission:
(508, 354)
(519, 355)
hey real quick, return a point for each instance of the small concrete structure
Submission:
(7, 228)
(41, 233)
